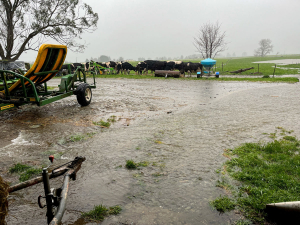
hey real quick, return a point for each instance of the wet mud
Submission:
(180, 128)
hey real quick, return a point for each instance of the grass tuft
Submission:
(130, 164)
(102, 123)
(99, 212)
(18, 168)
(77, 137)
(29, 173)
(223, 204)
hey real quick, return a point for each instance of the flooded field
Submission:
(180, 128)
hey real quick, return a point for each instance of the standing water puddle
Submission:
(179, 128)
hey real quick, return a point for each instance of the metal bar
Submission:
(5, 86)
(48, 195)
(69, 68)
(27, 79)
(84, 76)
(94, 79)
(53, 99)
(35, 180)
(62, 205)
(76, 165)
(66, 87)
(46, 88)
(274, 70)
(23, 87)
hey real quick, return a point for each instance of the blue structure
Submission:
(208, 63)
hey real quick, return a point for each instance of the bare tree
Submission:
(25, 25)
(210, 40)
(265, 48)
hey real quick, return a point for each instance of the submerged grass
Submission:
(25, 171)
(130, 164)
(99, 212)
(30, 173)
(18, 168)
(102, 123)
(267, 173)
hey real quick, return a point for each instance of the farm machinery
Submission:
(19, 87)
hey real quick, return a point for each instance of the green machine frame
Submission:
(32, 95)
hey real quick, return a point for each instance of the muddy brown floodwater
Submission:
(180, 127)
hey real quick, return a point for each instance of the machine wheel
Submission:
(84, 94)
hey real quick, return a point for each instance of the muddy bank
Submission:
(180, 127)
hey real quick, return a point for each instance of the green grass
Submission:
(49, 88)
(80, 137)
(26, 172)
(223, 204)
(18, 168)
(102, 123)
(77, 137)
(247, 62)
(267, 173)
(130, 164)
(99, 212)
(112, 119)
(30, 173)
(142, 164)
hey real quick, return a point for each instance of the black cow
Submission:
(193, 67)
(111, 64)
(141, 67)
(127, 67)
(170, 65)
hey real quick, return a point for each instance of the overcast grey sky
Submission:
(156, 28)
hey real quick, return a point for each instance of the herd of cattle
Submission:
(140, 68)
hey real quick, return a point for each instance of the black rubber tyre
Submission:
(84, 94)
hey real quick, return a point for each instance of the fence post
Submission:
(258, 68)
(274, 70)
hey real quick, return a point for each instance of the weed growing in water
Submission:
(102, 123)
(29, 173)
(77, 137)
(18, 168)
(223, 204)
(157, 174)
(130, 164)
(154, 164)
(112, 119)
(115, 210)
(143, 164)
(100, 211)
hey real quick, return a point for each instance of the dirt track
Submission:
(180, 127)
